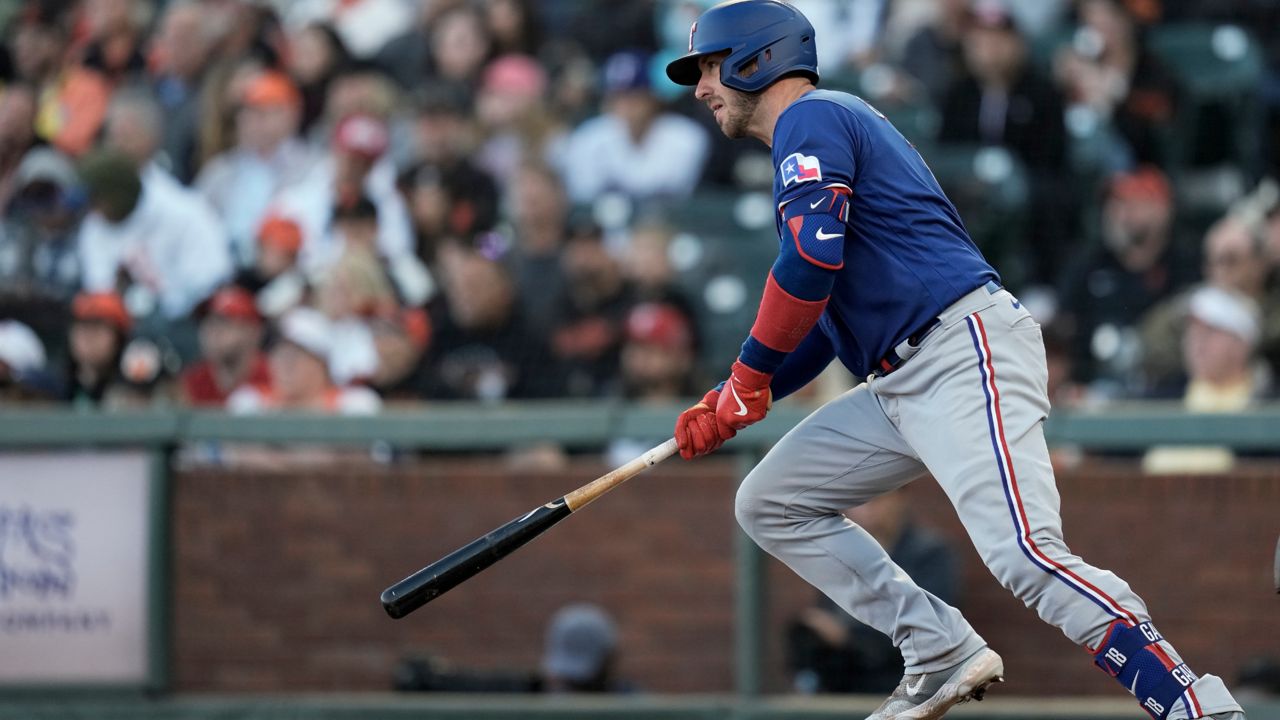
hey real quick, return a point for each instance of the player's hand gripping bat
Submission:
(444, 574)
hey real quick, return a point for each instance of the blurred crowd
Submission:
(340, 205)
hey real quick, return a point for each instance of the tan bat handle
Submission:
(603, 484)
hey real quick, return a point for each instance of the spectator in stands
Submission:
(1234, 259)
(355, 225)
(581, 651)
(514, 26)
(443, 130)
(116, 36)
(38, 42)
(449, 43)
(275, 264)
(1002, 100)
(483, 348)
(184, 45)
(231, 335)
(1222, 335)
(659, 354)
(633, 147)
(357, 90)
(829, 651)
(134, 126)
(38, 257)
(539, 216)
(18, 104)
(157, 241)
(402, 338)
(354, 288)
(1109, 73)
(356, 166)
(24, 375)
(932, 54)
(316, 56)
(99, 329)
(300, 380)
(590, 323)
(1138, 263)
(454, 201)
(72, 98)
(1223, 374)
(646, 263)
(512, 114)
(268, 157)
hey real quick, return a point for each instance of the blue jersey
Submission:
(906, 254)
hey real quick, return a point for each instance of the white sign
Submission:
(74, 551)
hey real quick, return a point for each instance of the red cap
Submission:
(1144, 183)
(363, 135)
(280, 232)
(104, 307)
(658, 323)
(234, 302)
(271, 88)
(515, 75)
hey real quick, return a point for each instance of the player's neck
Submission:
(773, 100)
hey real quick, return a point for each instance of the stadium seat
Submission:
(725, 243)
(1219, 69)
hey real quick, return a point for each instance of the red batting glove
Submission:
(746, 397)
(697, 432)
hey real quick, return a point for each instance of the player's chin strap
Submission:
(1132, 655)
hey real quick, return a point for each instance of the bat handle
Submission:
(582, 496)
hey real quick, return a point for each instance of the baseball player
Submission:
(875, 268)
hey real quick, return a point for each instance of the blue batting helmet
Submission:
(772, 34)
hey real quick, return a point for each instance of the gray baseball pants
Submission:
(968, 408)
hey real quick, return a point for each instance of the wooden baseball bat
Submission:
(460, 565)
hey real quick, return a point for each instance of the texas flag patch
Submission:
(799, 168)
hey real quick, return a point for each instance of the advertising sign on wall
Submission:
(75, 535)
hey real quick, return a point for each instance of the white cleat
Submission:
(929, 696)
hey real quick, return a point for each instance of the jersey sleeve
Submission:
(815, 146)
(814, 143)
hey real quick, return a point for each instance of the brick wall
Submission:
(276, 574)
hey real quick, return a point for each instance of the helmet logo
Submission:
(692, 30)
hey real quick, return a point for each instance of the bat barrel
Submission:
(444, 574)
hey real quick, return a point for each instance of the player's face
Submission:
(732, 109)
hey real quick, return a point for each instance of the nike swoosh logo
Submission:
(916, 689)
(816, 203)
(742, 407)
(1133, 689)
(1016, 305)
(827, 236)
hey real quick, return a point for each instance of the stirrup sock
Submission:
(1132, 655)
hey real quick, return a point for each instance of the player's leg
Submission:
(842, 455)
(980, 433)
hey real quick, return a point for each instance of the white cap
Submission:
(47, 165)
(310, 330)
(1227, 310)
(20, 349)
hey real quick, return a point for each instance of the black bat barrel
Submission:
(446, 573)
